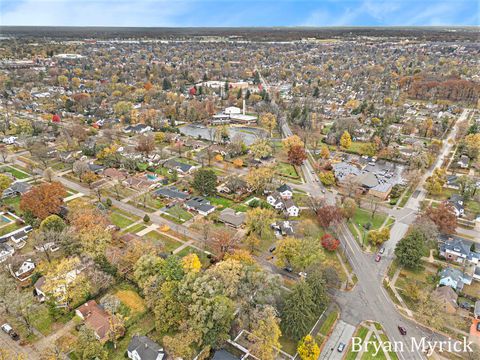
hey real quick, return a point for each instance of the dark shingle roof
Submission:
(146, 348)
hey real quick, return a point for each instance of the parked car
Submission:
(341, 347)
(382, 250)
(465, 305)
(288, 269)
(9, 330)
(378, 258)
(402, 330)
(302, 274)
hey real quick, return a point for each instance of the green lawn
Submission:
(14, 202)
(201, 255)
(361, 333)
(220, 201)
(143, 326)
(444, 195)
(363, 217)
(9, 228)
(42, 320)
(120, 220)
(286, 169)
(371, 348)
(179, 213)
(15, 172)
(168, 243)
(135, 228)
(405, 198)
(328, 323)
(288, 345)
(125, 213)
(473, 206)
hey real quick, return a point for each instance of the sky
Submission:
(239, 13)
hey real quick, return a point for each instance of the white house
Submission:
(232, 110)
(25, 270)
(5, 251)
(280, 203)
(291, 208)
(275, 200)
(285, 191)
(143, 348)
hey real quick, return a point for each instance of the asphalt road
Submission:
(342, 333)
(369, 300)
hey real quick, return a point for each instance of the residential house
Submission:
(463, 252)
(143, 348)
(97, 169)
(231, 218)
(6, 251)
(171, 193)
(285, 191)
(454, 278)
(25, 270)
(476, 311)
(452, 182)
(279, 203)
(200, 205)
(137, 129)
(284, 228)
(58, 293)
(97, 319)
(463, 162)
(179, 166)
(457, 203)
(18, 238)
(115, 174)
(447, 298)
(15, 189)
(290, 208)
(459, 250)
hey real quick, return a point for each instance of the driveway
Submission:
(14, 350)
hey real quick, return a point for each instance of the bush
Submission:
(109, 202)
(146, 218)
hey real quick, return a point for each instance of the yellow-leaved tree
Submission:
(308, 348)
(346, 140)
(191, 263)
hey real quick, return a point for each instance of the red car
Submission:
(378, 258)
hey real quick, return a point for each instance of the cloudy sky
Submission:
(239, 12)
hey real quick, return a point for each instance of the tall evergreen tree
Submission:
(298, 314)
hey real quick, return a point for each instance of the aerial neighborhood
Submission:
(257, 195)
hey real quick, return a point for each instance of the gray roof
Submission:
(461, 246)
(342, 170)
(147, 349)
(229, 216)
(174, 164)
(476, 312)
(368, 180)
(200, 204)
(224, 355)
(171, 192)
(284, 188)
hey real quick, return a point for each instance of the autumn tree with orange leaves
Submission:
(297, 155)
(43, 200)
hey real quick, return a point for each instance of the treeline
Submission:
(452, 89)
